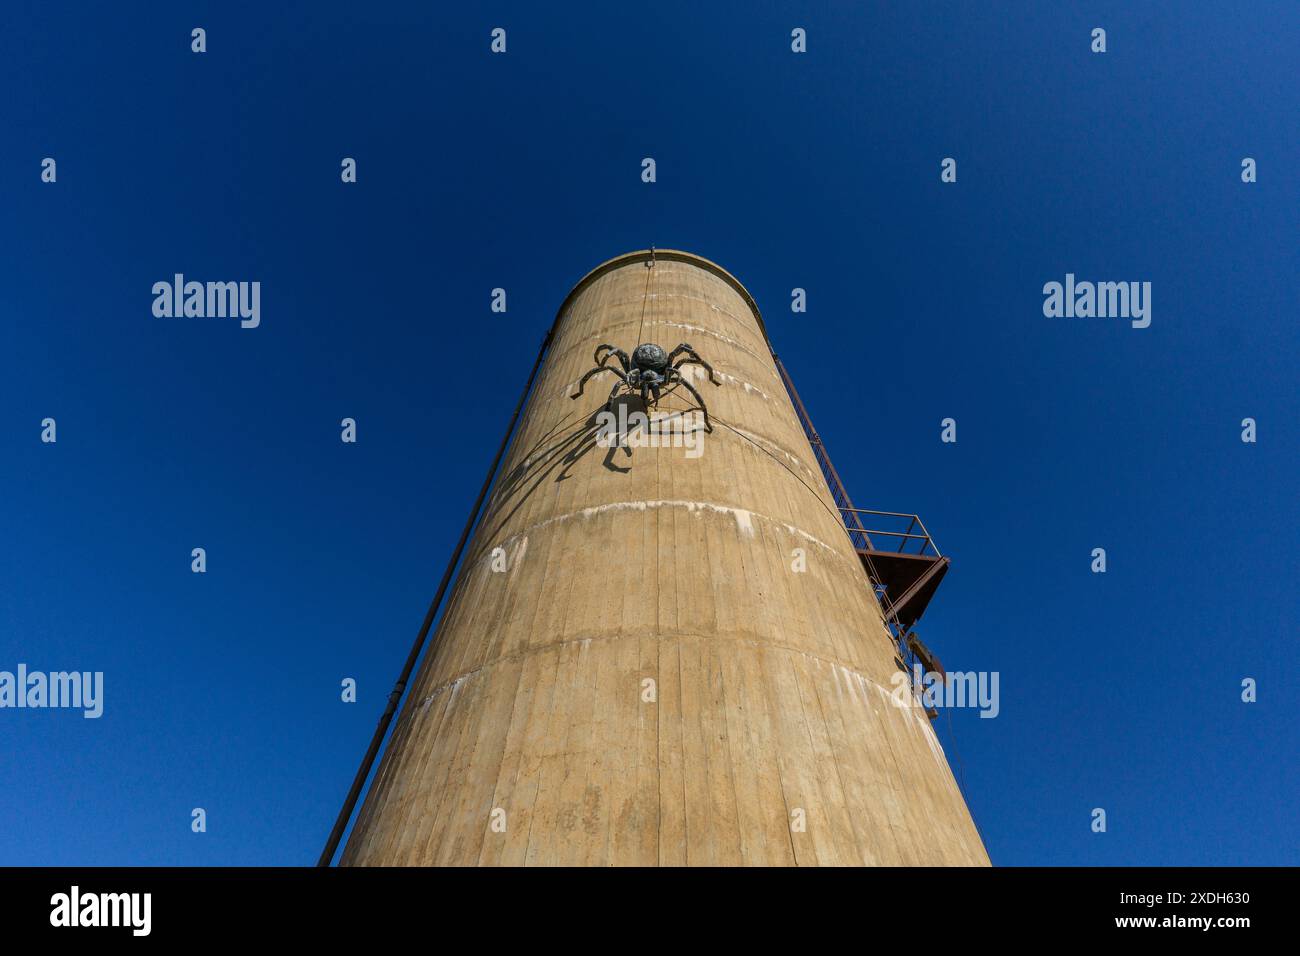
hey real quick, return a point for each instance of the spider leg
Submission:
(699, 399)
(699, 361)
(596, 371)
(693, 358)
(614, 351)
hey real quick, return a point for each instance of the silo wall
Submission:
(666, 653)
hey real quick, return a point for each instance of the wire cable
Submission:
(645, 296)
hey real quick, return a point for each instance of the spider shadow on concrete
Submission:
(563, 452)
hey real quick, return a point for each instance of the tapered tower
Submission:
(667, 652)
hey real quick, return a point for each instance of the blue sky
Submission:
(475, 171)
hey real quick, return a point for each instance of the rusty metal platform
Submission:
(904, 567)
(907, 575)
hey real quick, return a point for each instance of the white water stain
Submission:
(696, 375)
(710, 332)
(452, 686)
(744, 519)
(517, 557)
(915, 714)
(744, 522)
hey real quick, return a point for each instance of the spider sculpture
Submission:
(648, 370)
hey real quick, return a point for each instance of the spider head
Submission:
(650, 357)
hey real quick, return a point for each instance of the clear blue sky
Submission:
(821, 171)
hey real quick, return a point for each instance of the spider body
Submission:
(649, 370)
(650, 357)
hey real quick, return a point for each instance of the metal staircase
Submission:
(904, 566)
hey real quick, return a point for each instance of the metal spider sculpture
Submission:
(648, 370)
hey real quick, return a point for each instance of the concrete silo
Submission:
(662, 655)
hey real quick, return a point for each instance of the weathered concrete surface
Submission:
(771, 687)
